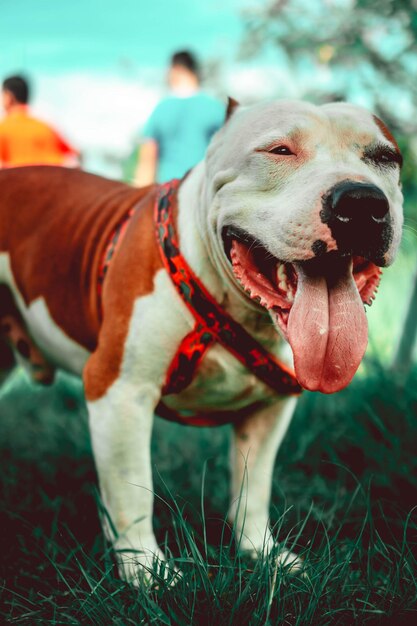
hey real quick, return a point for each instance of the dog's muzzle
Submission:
(359, 219)
(317, 304)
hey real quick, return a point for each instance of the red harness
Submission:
(212, 324)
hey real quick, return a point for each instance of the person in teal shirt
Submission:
(176, 135)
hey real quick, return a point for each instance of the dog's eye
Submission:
(389, 156)
(384, 156)
(281, 150)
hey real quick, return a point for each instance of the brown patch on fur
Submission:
(387, 133)
(232, 105)
(130, 275)
(55, 225)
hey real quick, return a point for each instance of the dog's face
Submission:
(305, 205)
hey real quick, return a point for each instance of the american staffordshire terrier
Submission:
(192, 291)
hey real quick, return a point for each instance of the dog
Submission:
(259, 261)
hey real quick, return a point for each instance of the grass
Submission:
(344, 498)
(345, 486)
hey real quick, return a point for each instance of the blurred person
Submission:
(25, 140)
(179, 129)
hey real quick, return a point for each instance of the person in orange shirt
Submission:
(25, 140)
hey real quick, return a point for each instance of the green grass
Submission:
(345, 486)
(386, 315)
(344, 497)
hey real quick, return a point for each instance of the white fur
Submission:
(278, 201)
(121, 427)
(256, 441)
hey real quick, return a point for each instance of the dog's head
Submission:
(305, 205)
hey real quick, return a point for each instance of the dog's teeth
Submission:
(281, 272)
(360, 282)
(283, 282)
(281, 277)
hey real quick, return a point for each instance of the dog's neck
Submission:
(197, 248)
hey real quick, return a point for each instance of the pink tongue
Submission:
(327, 330)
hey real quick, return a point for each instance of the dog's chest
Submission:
(159, 324)
(220, 382)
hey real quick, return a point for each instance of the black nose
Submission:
(358, 216)
(359, 202)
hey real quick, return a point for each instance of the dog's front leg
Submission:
(121, 427)
(256, 441)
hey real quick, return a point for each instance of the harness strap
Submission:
(111, 248)
(187, 359)
(212, 322)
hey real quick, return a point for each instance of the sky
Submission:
(98, 66)
(48, 35)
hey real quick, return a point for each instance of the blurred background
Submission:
(98, 68)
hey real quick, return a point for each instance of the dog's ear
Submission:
(387, 134)
(232, 104)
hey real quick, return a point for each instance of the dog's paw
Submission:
(269, 549)
(146, 567)
(290, 562)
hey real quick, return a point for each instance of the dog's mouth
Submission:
(317, 304)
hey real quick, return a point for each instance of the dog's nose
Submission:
(361, 203)
(359, 218)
